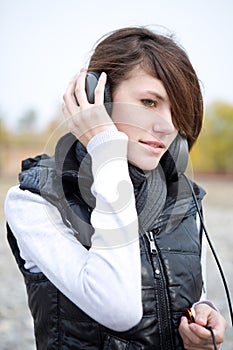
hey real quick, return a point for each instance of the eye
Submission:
(149, 103)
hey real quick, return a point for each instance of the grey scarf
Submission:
(150, 187)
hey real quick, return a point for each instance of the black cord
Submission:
(213, 336)
(213, 251)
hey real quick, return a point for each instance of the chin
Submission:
(142, 158)
(145, 164)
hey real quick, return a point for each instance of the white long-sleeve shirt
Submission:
(104, 281)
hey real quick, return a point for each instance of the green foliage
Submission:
(213, 151)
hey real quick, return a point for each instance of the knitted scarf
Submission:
(150, 187)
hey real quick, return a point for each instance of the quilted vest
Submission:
(170, 267)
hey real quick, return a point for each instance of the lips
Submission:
(156, 147)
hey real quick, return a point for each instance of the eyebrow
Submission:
(158, 96)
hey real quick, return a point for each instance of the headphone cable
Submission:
(212, 249)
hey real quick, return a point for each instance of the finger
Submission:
(80, 91)
(205, 336)
(185, 332)
(218, 326)
(99, 91)
(69, 98)
(206, 315)
(202, 312)
(214, 338)
(195, 336)
(65, 112)
(200, 331)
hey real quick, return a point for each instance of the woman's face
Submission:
(141, 109)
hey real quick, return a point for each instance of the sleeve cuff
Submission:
(105, 136)
(207, 302)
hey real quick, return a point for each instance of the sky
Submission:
(45, 43)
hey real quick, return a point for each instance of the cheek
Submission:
(127, 120)
(128, 114)
(172, 136)
(129, 130)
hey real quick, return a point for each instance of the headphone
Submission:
(91, 83)
(179, 147)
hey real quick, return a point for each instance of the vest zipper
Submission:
(153, 248)
(163, 309)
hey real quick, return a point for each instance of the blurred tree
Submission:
(214, 150)
(27, 123)
(3, 132)
(53, 131)
(4, 140)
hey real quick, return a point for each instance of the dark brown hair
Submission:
(119, 52)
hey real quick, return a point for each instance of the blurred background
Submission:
(43, 45)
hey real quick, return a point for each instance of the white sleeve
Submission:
(105, 282)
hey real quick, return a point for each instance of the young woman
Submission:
(105, 232)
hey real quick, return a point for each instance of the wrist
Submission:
(110, 133)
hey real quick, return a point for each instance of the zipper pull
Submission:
(150, 237)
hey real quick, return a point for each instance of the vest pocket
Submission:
(114, 343)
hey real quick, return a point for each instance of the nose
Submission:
(163, 124)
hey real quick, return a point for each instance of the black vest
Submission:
(170, 265)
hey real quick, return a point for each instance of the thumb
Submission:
(202, 312)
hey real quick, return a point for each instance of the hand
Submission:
(85, 120)
(195, 335)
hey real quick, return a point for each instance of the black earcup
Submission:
(91, 83)
(183, 154)
(174, 162)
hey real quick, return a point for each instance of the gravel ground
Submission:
(16, 330)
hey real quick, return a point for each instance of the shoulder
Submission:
(30, 215)
(16, 194)
(23, 205)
